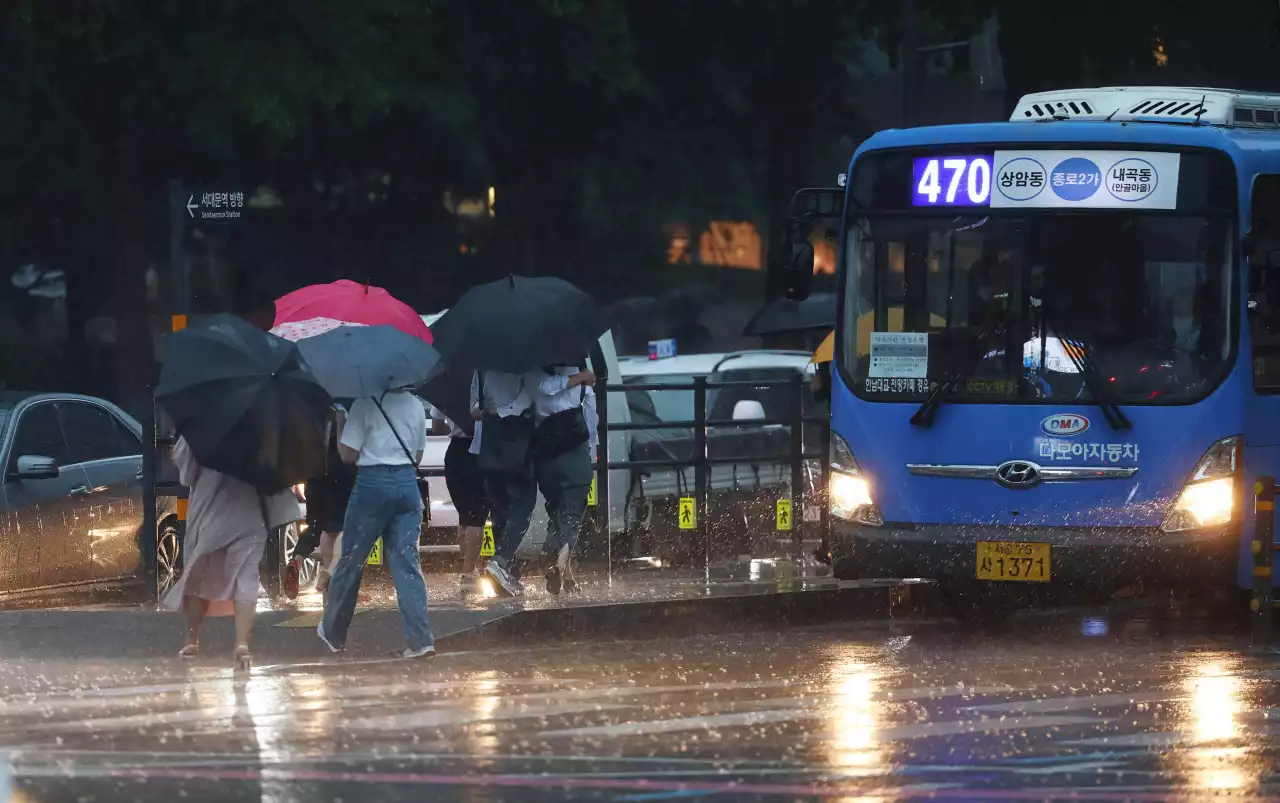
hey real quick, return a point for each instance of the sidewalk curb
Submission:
(681, 618)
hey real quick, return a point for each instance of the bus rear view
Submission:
(1040, 371)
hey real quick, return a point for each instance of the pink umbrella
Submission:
(350, 302)
(301, 330)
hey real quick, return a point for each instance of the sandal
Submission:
(189, 651)
(243, 658)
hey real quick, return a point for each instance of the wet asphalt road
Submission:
(1068, 704)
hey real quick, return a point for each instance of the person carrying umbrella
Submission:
(251, 419)
(384, 437)
(562, 447)
(466, 486)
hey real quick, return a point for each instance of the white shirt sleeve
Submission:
(475, 391)
(592, 416)
(552, 384)
(417, 426)
(357, 426)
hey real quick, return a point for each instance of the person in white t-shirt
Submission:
(385, 439)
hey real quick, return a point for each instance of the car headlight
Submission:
(849, 491)
(1209, 497)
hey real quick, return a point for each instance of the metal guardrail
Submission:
(701, 462)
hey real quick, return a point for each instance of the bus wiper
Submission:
(1082, 359)
(923, 417)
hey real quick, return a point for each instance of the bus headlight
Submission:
(1209, 497)
(849, 491)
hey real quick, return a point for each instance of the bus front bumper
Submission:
(1100, 556)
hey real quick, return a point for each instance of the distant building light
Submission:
(731, 244)
(493, 196)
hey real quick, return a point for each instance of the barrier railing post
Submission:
(604, 510)
(1263, 548)
(797, 466)
(700, 470)
(148, 542)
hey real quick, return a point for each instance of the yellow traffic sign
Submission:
(783, 514)
(486, 546)
(688, 513)
(375, 554)
(591, 492)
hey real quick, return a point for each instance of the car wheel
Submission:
(168, 556)
(309, 568)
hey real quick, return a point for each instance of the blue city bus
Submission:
(1058, 348)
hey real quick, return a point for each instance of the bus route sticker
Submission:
(486, 545)
(375, 554)
(688, 513)
(783, 514)
(899, 355)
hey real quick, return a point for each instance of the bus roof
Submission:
(1256, 150)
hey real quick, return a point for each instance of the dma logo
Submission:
(1064, 424)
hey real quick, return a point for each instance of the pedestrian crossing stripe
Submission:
(783, 515)
(486, 545)
(591, 492)
(375, 554)
(310, 619)
(688, 513)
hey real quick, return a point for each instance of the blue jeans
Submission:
(386, 504)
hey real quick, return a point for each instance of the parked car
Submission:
(71, 496)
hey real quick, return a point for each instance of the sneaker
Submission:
(468, 584)
(425, 652)
(553, 579)
(504, 583)
(324, 638)
(291, 574)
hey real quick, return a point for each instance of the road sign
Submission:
(591, 492)
(688, 513)
(215, 206)
(375, 554)
(783, 515)
(486, 545)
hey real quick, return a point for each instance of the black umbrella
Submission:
(786, 315)
(246, 403)
(518, 324)
(450, 393)
(360, 361)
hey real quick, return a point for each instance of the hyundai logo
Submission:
(1018, 474)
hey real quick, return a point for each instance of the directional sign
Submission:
(783, 514)
(486, 546)
(591, 492)
(688, 513)
(375, 554)
(215, 206)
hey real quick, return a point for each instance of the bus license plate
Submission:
(1013, 560)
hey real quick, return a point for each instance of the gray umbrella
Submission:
(362, 361)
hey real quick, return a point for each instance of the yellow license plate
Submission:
(1013, 560)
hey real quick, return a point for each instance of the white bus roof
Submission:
(1185, 104)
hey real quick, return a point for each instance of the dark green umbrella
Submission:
(246, 403)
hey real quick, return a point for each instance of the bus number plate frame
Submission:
(1013, 561)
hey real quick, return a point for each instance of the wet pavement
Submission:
(1118, 703)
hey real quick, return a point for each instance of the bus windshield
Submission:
(1038, 306)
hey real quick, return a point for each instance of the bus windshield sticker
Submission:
(1060, 450)
(1086, 179)
(899, 354)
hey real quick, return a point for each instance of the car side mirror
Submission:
(36, 467)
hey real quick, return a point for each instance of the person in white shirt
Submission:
(501, 405)
(470, 499)
(563, 442)
(385, 439)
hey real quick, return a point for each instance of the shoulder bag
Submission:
(504, 442)
(560, 432)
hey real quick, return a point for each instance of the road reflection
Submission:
(856, 713)
(1216, 758)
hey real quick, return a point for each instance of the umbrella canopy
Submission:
(246, 403)
(787, 315)
(517, 324)
(450, 393)
(826, 351)
(360, 361)
(312, 327)
(350, 302)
